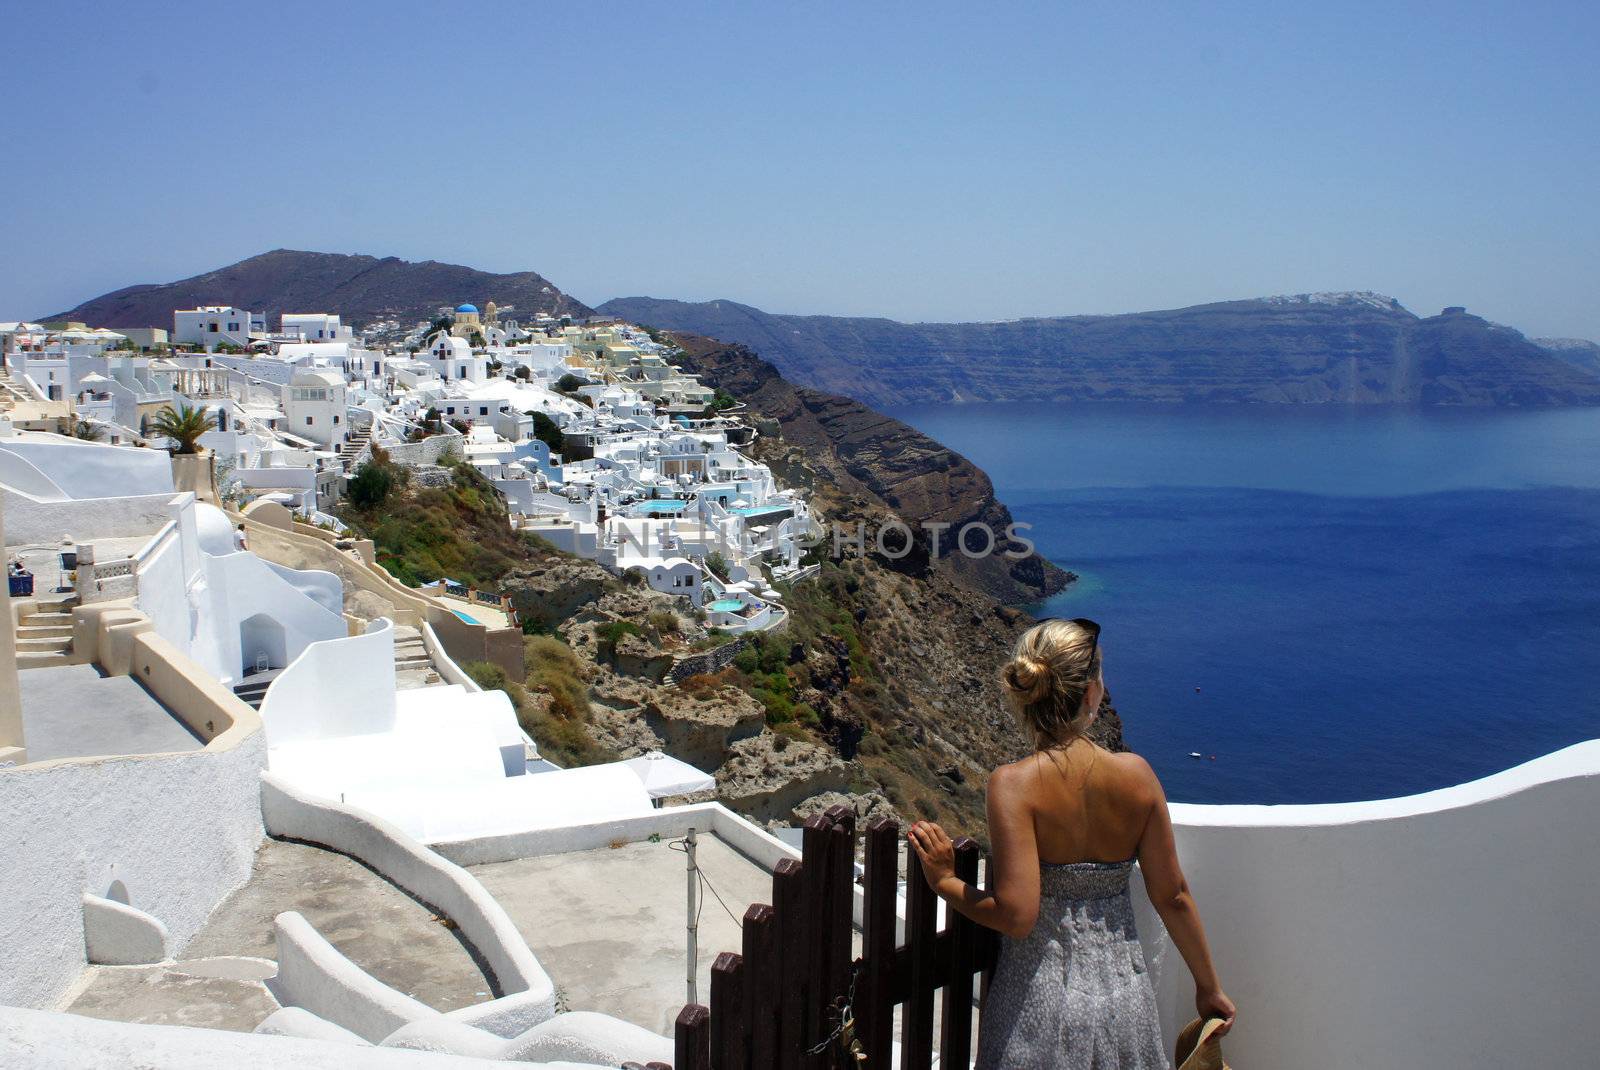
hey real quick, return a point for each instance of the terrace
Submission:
(75, 711)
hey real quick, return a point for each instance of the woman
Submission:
(1066, 824)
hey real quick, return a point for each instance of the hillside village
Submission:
(208, 626)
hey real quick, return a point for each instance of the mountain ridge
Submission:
(358, 287)
(1355, 347)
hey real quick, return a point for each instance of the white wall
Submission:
(341, 687)
(201, 612)
(1452, 929)
(178, 830)
(30, 521)
(92, 470)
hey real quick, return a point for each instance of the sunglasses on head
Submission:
(1087, 625)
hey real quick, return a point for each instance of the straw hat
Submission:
(1197, 1049)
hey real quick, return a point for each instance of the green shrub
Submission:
(554, 668)
(611, 632)
(787, 733)
(546, 431)
(664, 621)
(486, 675)
(370, 486)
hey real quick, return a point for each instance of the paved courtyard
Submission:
(609, 925)
(71, 711)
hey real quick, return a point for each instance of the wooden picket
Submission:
(785, 1000)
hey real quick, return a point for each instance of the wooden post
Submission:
(875, 991)
(761, 970)
(811, 975)
(728, 1049)
(788, 888)
(988, 939)
(955, 1038)
(842, 887)
(692, 1039)
(916, 1020)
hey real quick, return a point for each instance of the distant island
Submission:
(360, 289)
(1361, 348)
(1344, 348)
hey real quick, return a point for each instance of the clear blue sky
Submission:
(919, 161)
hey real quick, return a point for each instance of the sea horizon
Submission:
(1369, 603)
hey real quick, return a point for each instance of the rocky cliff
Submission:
(1579, 352)
(1358, 348)
(361, 289)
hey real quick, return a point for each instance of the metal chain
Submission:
(845, 1031)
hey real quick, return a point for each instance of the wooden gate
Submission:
(784, 999)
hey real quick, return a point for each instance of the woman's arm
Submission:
(1169, 894)
(1013, 906)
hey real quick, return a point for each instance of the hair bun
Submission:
(1028, 677)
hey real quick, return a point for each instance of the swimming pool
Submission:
(726, 605)
(658, 507)
(463, 616)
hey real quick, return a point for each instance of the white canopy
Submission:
(663, 775)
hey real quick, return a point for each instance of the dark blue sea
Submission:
(1337, 604)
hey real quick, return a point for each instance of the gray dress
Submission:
(1074, 994)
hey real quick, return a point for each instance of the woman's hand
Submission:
(1216, 1005)
(934, 848)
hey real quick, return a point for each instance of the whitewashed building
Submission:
(213, 325)
(314, 405)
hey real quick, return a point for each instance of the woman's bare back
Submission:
(1087, 804)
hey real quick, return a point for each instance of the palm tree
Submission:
(87, 431)
(183, 425)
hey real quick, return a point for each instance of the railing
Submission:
(102, 581)
(795, 999)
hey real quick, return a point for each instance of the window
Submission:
(309, 420)
(336, 420)
(213, 328)
(483, 410)
(233, 328)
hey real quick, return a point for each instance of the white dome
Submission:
(213, 529)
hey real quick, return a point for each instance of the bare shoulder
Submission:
(1009, 778)
(1135, 772)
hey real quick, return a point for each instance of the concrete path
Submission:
(609, 925)
(218, 981)
(377, 926)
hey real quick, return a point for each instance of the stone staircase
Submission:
(44, 633)
(11, 391)
(412, 665)
(253, 688)
(354, 446)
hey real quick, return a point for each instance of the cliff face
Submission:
(1579, 352)
(1345, 348)
(915, 478)
(360, 289)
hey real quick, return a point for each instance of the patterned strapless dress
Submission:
(1074, 994)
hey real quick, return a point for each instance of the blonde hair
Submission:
(1049, 676)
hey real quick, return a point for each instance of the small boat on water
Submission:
(1196, 755)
